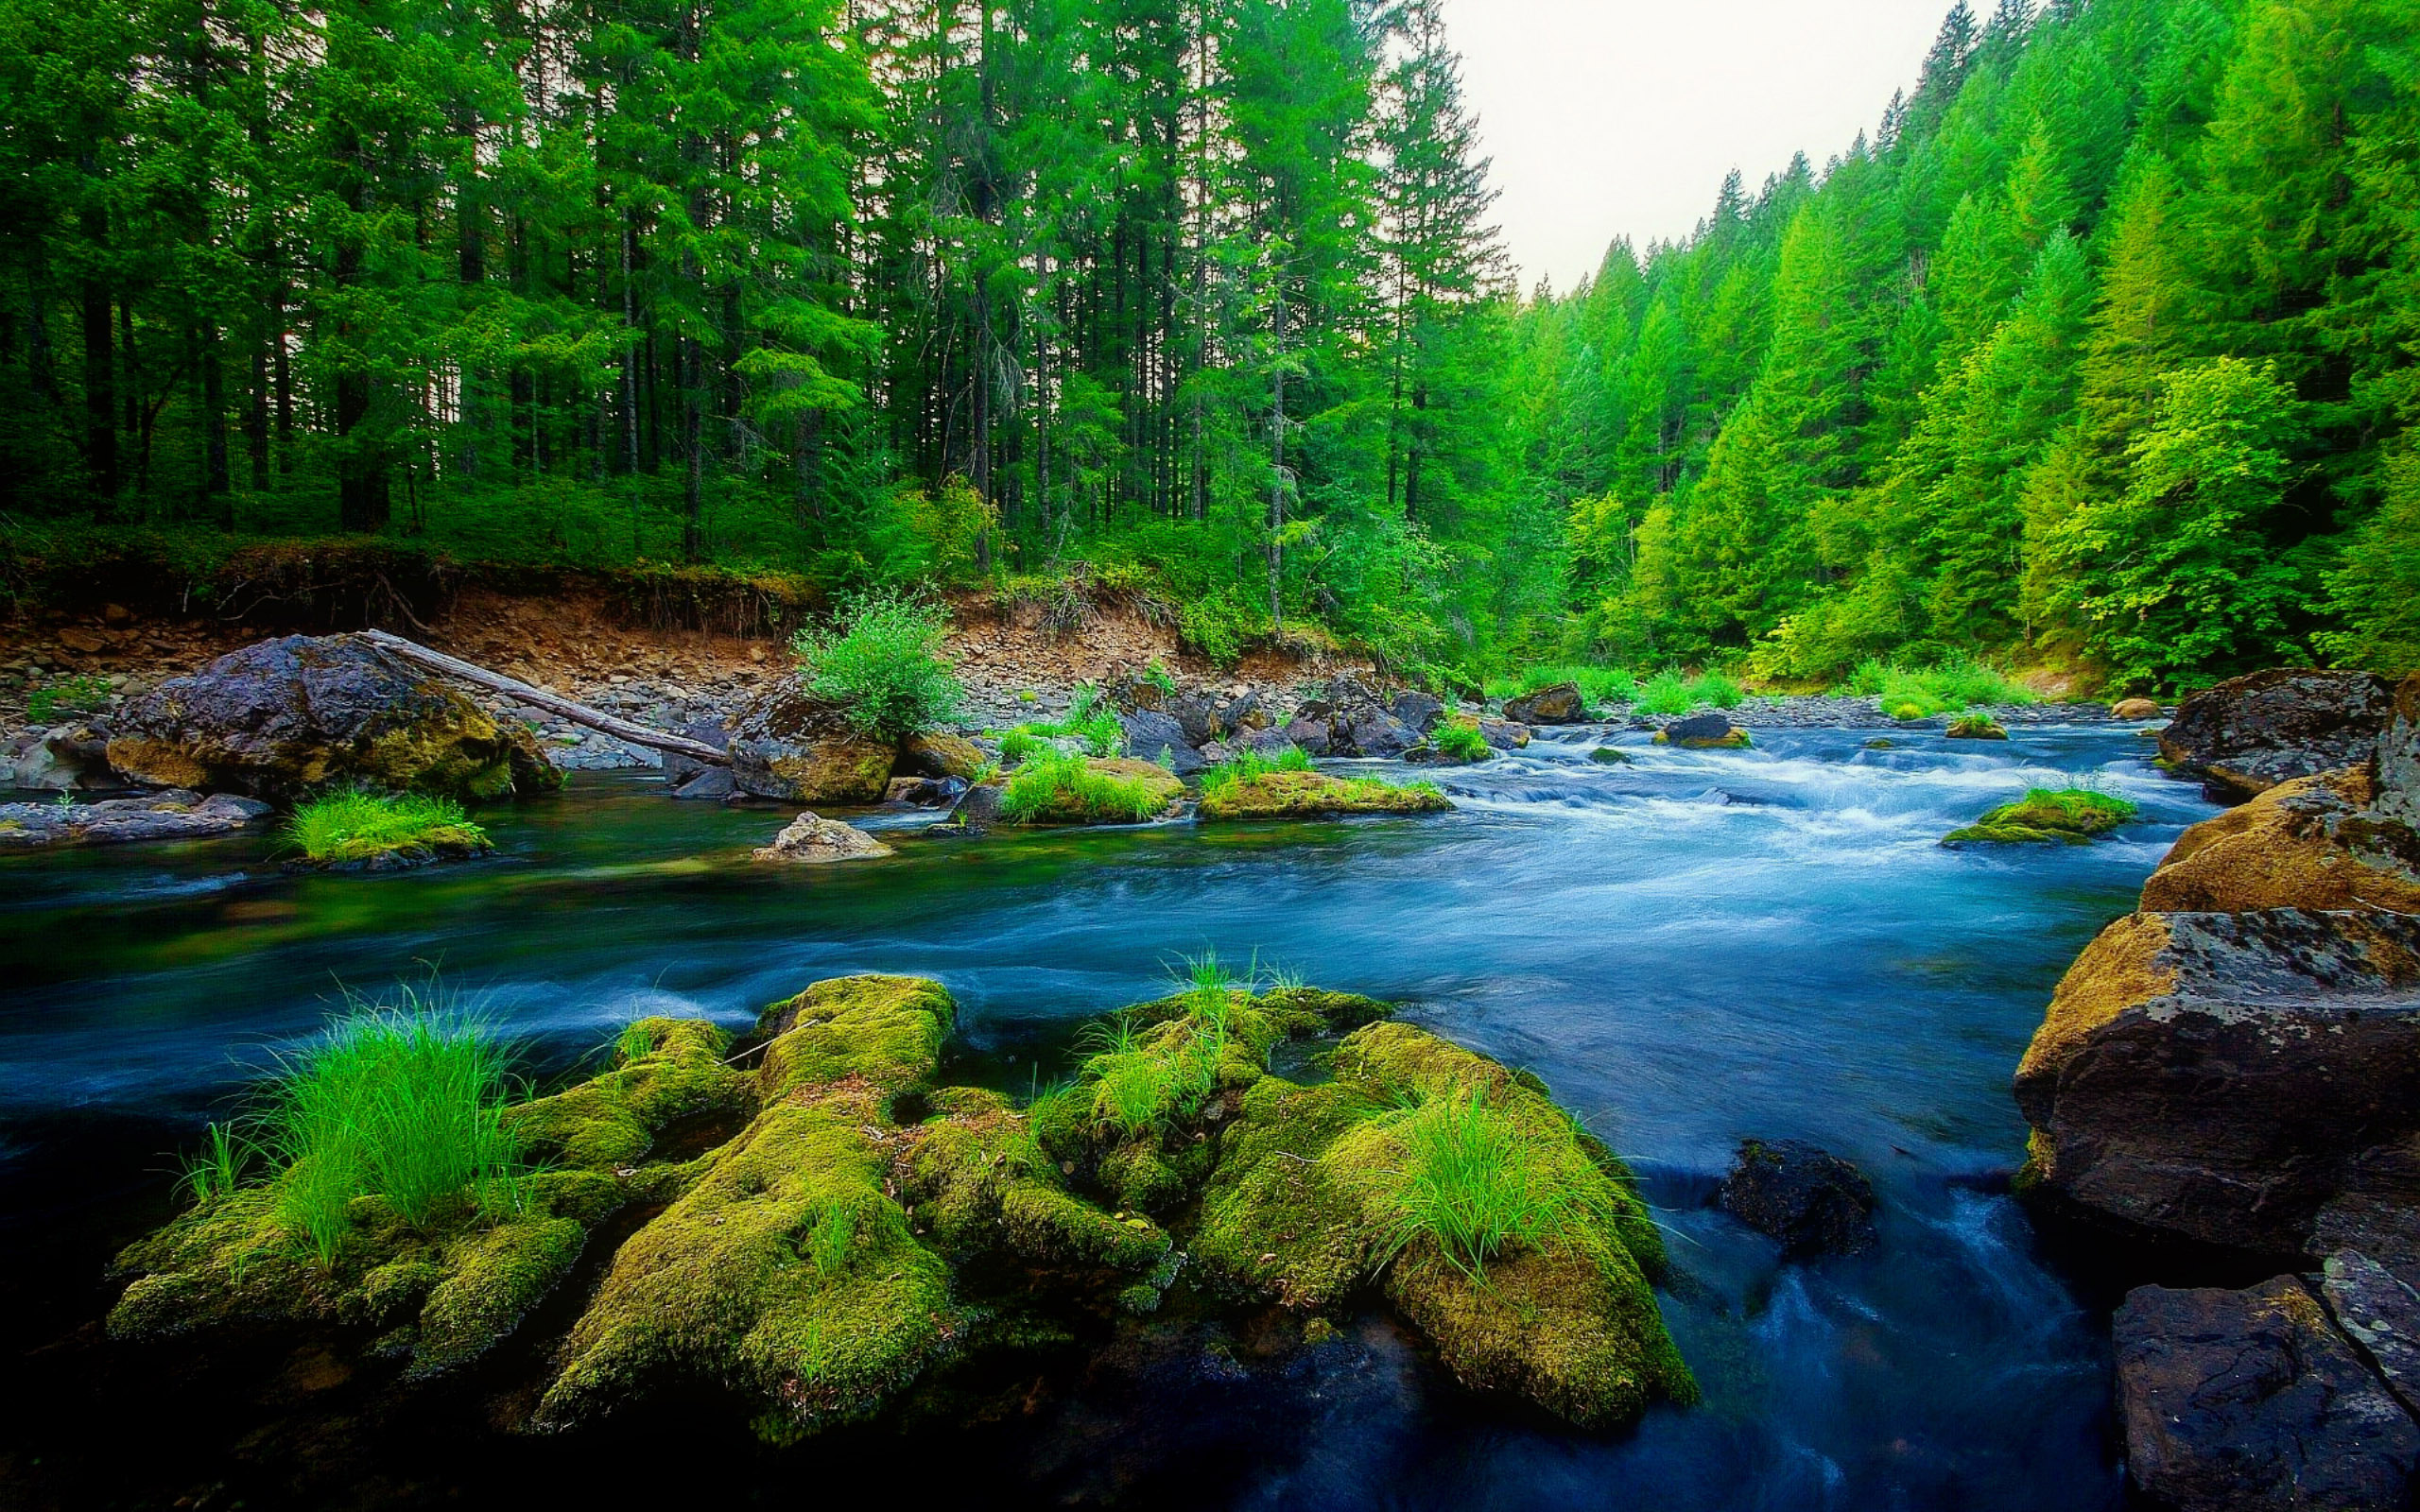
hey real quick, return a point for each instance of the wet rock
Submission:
(1310, 735)
(1881, 743)
(1610, 756)
(2234, 1401)
(811, 840)
(175, 814)
(711, 784)
(1149, 732)
(679, 769)
(922, 792)
(1976, 726)
(2324, 842)
(1417, 712)
(285, 718)
(1110, 790)
(2075, 816)
(63, 758)
(978, 809)
(1504, 734)
(2134, 709)
(1712, 731)
(1315, 795)
(2220, 1076)
(1815, 1203)
(2250, 733)
(789, 745)
(1561, 704)
(937, 754)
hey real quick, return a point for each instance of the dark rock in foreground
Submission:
(287, 717)
(1814, 1202)
(2236, 1400)
(2250, 733)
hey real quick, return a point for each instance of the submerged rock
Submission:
(286, 718)
(1815, 1203)
(789, 745)
(1610, 756)
(2234, 1401)
(1316, 795)
(1561, 704)
(170, 815)
(2250, 733)
(2219, 1076)
(811, 840)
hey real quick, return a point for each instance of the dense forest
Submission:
(2099, 354)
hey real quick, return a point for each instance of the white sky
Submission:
(1621, 118)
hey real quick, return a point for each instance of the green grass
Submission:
(1472, 1180)
(401, 1101)
(1251, 764)
(218, 1169)
(883, 665)
(1060, 782)
(2072, 815)
(1458, 739)
(356, 826)
(1088, 720)
(81, 693)
(1921, 693)
(1141, 1080)
(1672, 691)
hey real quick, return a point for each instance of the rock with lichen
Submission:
(791, 746)
(812, 840)
(2309, 842)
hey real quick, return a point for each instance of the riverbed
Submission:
(1689, 949)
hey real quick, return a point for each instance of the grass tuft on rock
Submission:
(1248, 766)
(1287, 792)
(2067, 816)
(883, 665)
(1459, 740)
(1054, 787)
(362, 826)
(1464, 1174)
(1089, 720)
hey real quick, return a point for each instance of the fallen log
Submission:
(553, 703)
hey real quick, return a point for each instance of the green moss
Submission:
(1976, 726)
(978, 1180)
(495, 1278)
(1283, 795)
(886, 1030)
(663, 1070)
(2071, 816)
(344, 828)
(1060, 789)
(1273, 1224)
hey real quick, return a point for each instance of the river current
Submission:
(1692, 949)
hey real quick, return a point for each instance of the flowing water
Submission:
(1692, 949)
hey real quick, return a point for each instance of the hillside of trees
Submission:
(2098, 354)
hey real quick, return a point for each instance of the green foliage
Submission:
(1677, 693)
(1089, 719)
(1459, 740)
(1068, 788)
(358, 826)
(1601, 686)
(402, 1101)
(1468, 1176)
(219, 1166)
(1246, 766)
(1921, 693)
(884, 664)
(2070, 815)
(82, 692)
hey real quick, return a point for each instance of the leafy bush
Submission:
(1248, 764)
(401, 1101)
(1921, 693)
(358, 826)
(1666, 692)
(884, 667)
(82, 693)
(1715, 688)
(1056, 782)
(1458, 739)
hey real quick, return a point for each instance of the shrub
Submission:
(1470, 1179)
(1598, 685)
(1666, 692)
(884, 667)
(356, 826)
(1251, 764)
(1057, 784)
(1921, 693)
(400, 1101)
(1716, 689)
(1459, 740)
(82, 692)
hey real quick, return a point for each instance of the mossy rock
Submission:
(1733, 739)
(1316, 795)
(938, 754)
(885, 1030)
(2068, 817)
(1881, 743)
(1975, 726)
(665, 1070)
(1155, 793)
(1610, 756)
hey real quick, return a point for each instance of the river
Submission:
(1691, 949)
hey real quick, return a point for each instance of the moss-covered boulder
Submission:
(2071, 816)
(938, 754)
(664, 1072)
(791, 746)
(1066, 788)
(1318, 1186)
(2309, 842)
(290, 716)
(1976, 726)
(1316, 795)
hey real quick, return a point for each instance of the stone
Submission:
(2398, 756)
(1560, 704)
(2219, 1077)
(978, 809)
(2236, 1400)
(64, 758)
(1418, 712)
(677, 768)
(2134, 709)
(2250, 733)
(1610, 756)
(1697, 727)
(924, 791)
(712, 784)
(1504, 734)
(938, 754)
(1976, 726)
(2323, 842)
(791, 746)
(1149, 732)
(284, 718)
(1378, 734)
(2380, 1310)
(1315, 795)
(1310, 735)
(1815, 1203)
(812, 840)
(174, 814)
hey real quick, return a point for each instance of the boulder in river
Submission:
(1712, 731)
(1814, 1202)
(1610, 756)
(2250, 733)
(2323, 842)
(1976, 726)
(286, 718)
(1557, 704)
(174, 814)
(1315, 796)
(62, 758)
(791, 746)
(2134, 709)
(680, 769)
(938, 754)
(2219, 1076)
(1149, 732)
(812, 840)
(2064, 816)
(2239, 1400)
(1504, 734)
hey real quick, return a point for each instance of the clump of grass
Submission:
(1468, 1178)
(1458, 739)
(1063, 785)
(2070, 815)
(1143, 1081)
(1089, 719)
(219, 1168)
(1672, 691)
(883, 665)
(1920, 692)
(1245, 765)
(402, 1101)
(81, 693)
(358, 826)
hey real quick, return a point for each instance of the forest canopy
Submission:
(2099, 355)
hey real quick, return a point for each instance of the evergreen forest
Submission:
(2101, 353)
